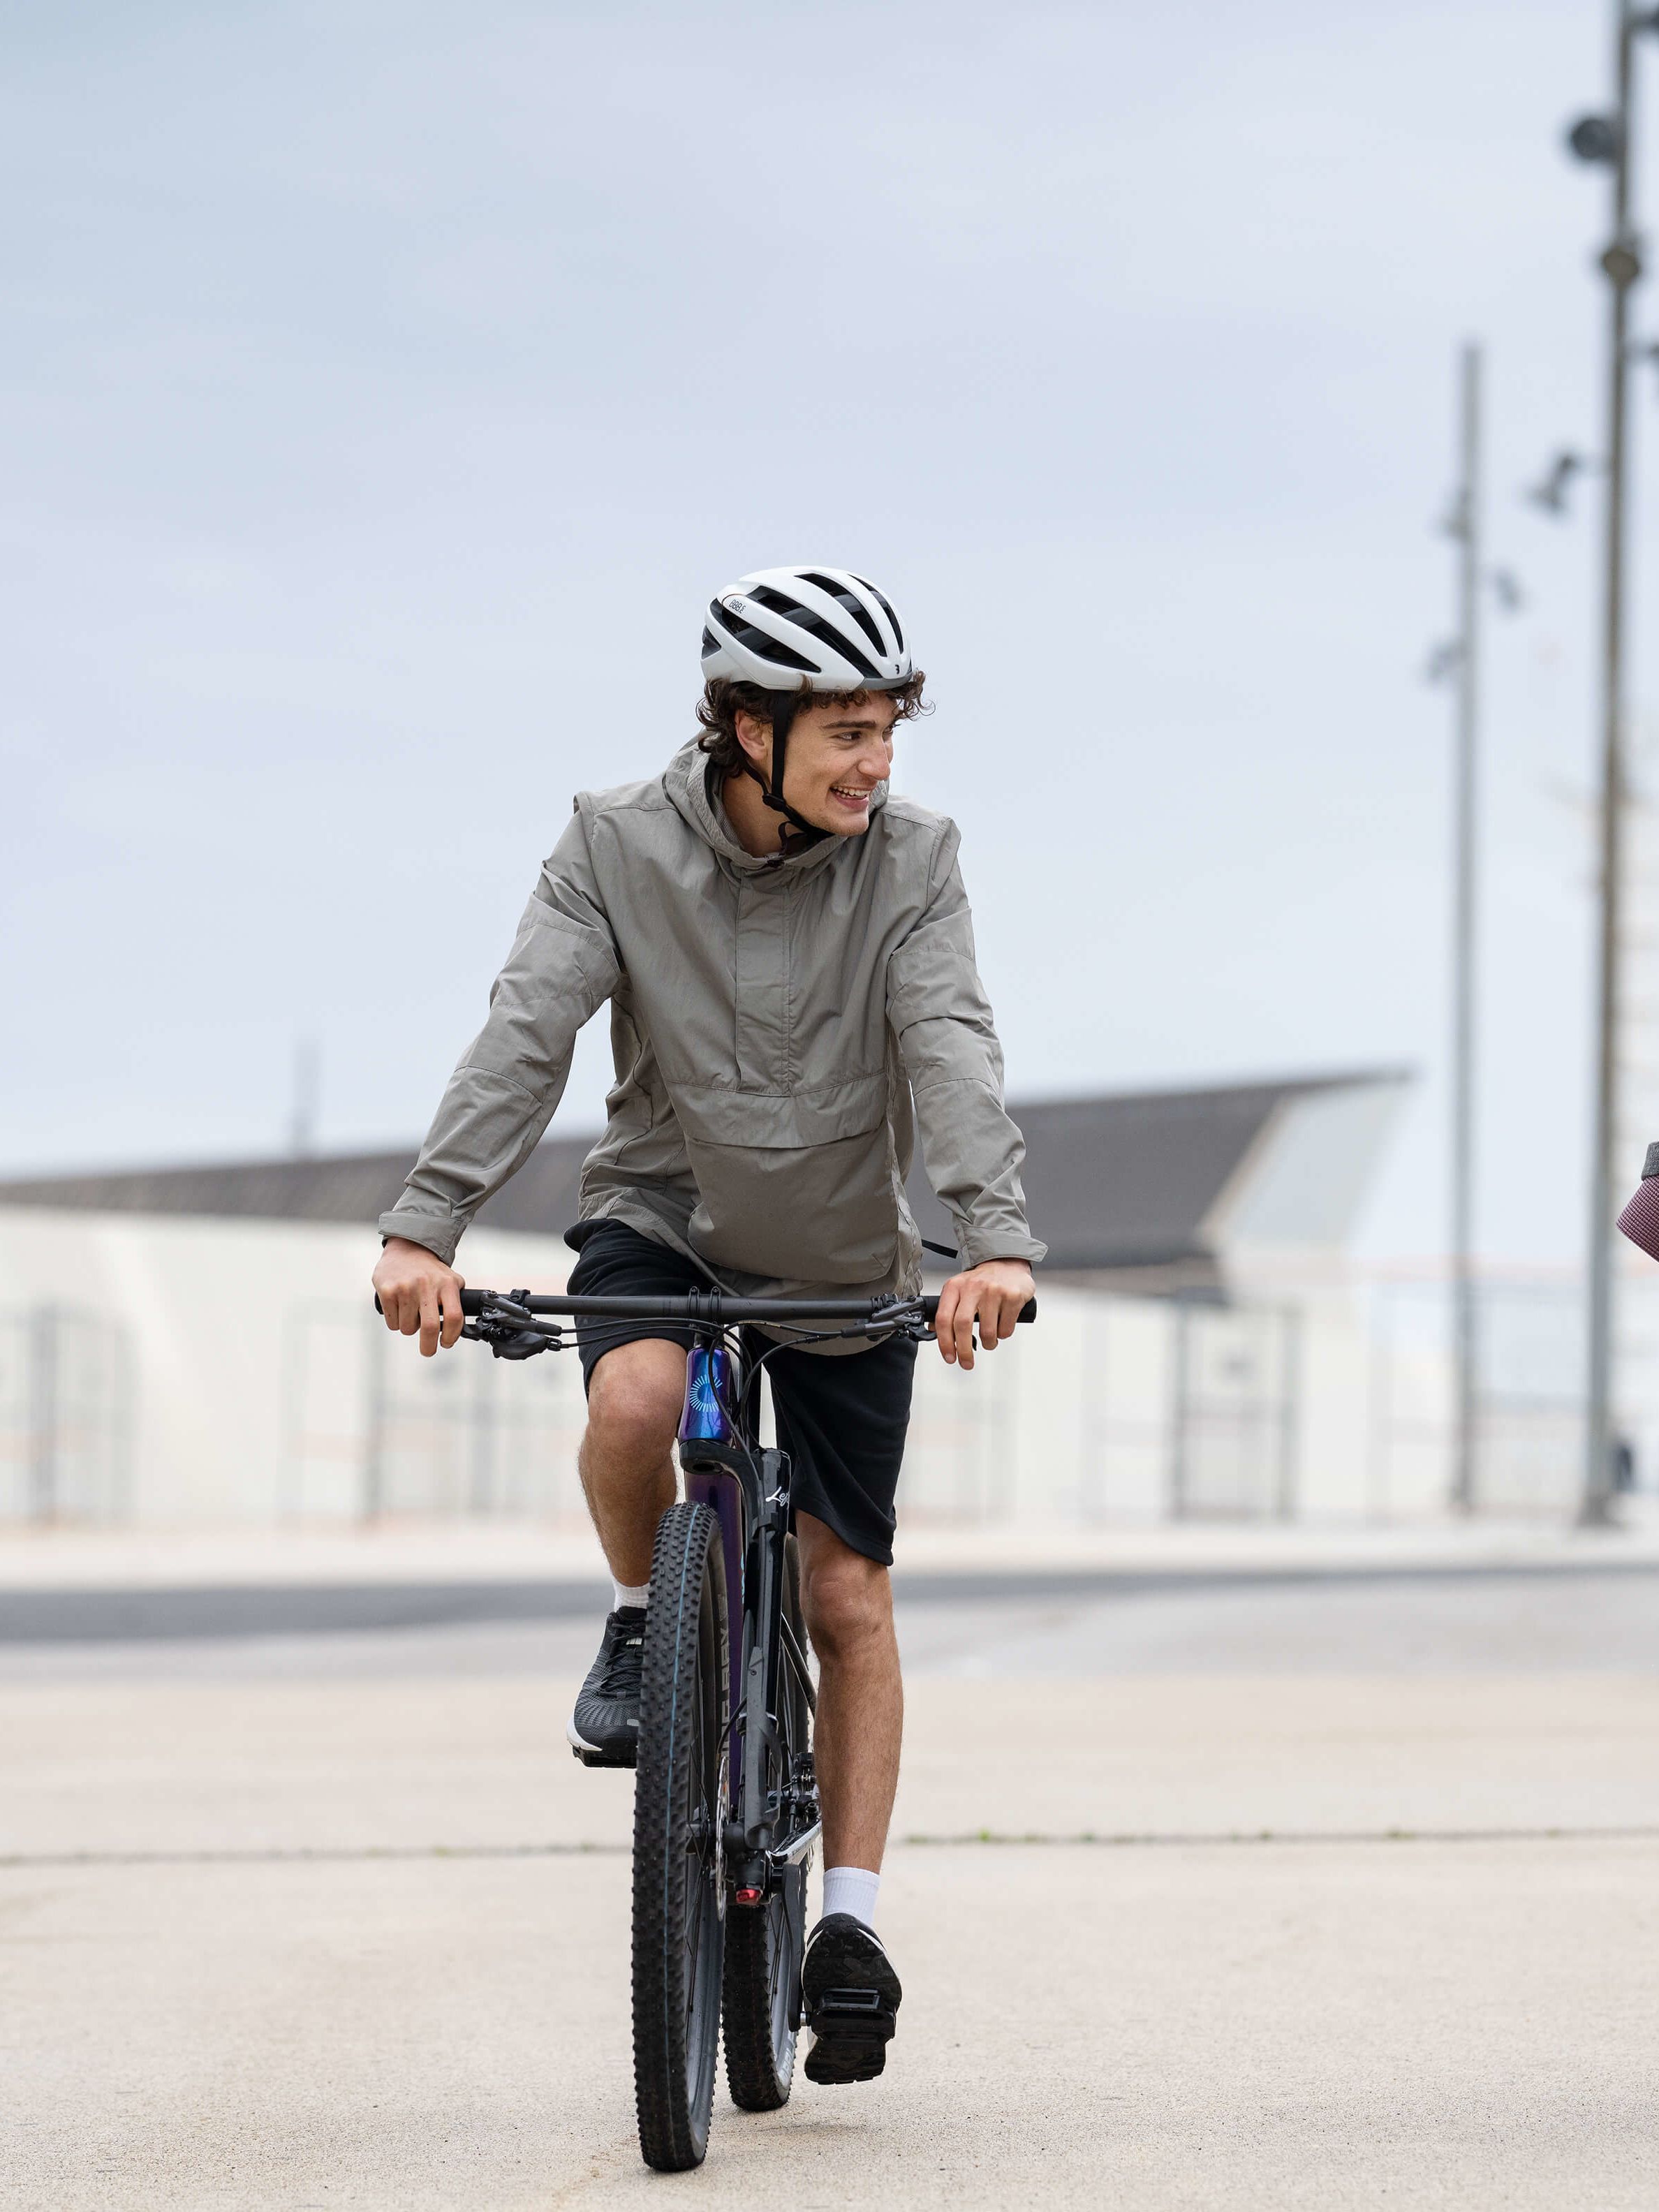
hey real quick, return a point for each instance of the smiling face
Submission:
(836, 756)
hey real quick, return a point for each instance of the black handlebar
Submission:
(718, 1309)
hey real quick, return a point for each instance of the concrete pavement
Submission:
(1458, 2026)
(480, 1763)
(431, 2010)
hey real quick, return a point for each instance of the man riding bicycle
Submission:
(788, 956)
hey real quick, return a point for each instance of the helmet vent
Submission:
(762, 647)
(851, 601)
(815, 625)
(887, 606)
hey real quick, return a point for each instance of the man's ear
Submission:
(755, 738)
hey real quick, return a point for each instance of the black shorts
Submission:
(842, 1420)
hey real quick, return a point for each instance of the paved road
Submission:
(330, 1919)
(1458, 2027)
(1431, 1619)
(163, 1613)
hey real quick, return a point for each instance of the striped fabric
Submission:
(1640, 1219)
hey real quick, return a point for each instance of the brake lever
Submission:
(510, 1331)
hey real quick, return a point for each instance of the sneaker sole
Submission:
(593, 1754)
(847, 2046)
(852, 1997)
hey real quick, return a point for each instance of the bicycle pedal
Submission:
(597, 1758)
(864, 2006)
(851, 2030)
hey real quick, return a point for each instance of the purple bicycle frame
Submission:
(710, 1380)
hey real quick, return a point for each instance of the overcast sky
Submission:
(385, 389)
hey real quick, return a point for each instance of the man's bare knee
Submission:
(633, 1399)
(848, 1604)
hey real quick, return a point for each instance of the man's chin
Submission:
(843, 824)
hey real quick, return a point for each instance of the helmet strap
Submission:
(785, 705)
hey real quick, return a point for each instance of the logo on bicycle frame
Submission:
(709, 1381)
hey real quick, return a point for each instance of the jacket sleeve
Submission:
(563, 966)
(937, 1006)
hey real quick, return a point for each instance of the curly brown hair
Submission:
(724, 698)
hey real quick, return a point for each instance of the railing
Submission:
(371, 1430)
(1333, 1400)
(67, 1416)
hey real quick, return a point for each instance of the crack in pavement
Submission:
(1087, 1839)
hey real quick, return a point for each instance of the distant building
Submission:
(198, 1343)
(1147, 1192)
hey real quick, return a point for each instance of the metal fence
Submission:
(371, 1431)
(1114, 1409)
(1233, 1413)
(1529, 1438)
(67, 1416)
(1121, 1409)
(1185, 1411)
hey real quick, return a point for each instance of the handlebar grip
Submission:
(1028, 1311)
(472, 1302)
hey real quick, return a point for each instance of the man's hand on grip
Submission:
(419, 1291)
(994, 1293)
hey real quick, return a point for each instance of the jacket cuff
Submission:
(439, 1235)
(979, 1245)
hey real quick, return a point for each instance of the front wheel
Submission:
(680, 1797)
(765, 1943)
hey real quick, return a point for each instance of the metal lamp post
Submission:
(1606, 139)
(1459, 657)
(1463, 658)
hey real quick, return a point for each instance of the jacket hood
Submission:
(686, 782)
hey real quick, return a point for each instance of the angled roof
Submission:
(1143, 1179)
(352, 1186)
(1129, 1183)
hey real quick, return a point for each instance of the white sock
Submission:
(624, 1593)
(851, 1889)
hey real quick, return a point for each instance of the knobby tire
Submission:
(678, 1881)
(764, 1943)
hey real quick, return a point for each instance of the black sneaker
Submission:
(605, 1728)
(850, 1996)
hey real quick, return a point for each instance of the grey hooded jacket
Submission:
(772, 1027)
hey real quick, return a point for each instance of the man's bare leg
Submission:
(627, 1478)
(626, 1459)
(849, 1603)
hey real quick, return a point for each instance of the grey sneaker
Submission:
(850, 1997)
(605, 1728)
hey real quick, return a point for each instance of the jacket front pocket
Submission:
(823, 1210)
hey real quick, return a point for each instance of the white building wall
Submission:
(208, 1311)
(217, 1371)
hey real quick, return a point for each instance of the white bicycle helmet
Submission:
(822, 629)
(795, 631)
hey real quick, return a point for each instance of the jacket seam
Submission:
(811, 1093)
(495, 1075)
(957, 1083)
(789, 916)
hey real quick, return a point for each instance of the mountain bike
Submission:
(725, 1803)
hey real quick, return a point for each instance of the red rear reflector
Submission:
(750, 1896)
